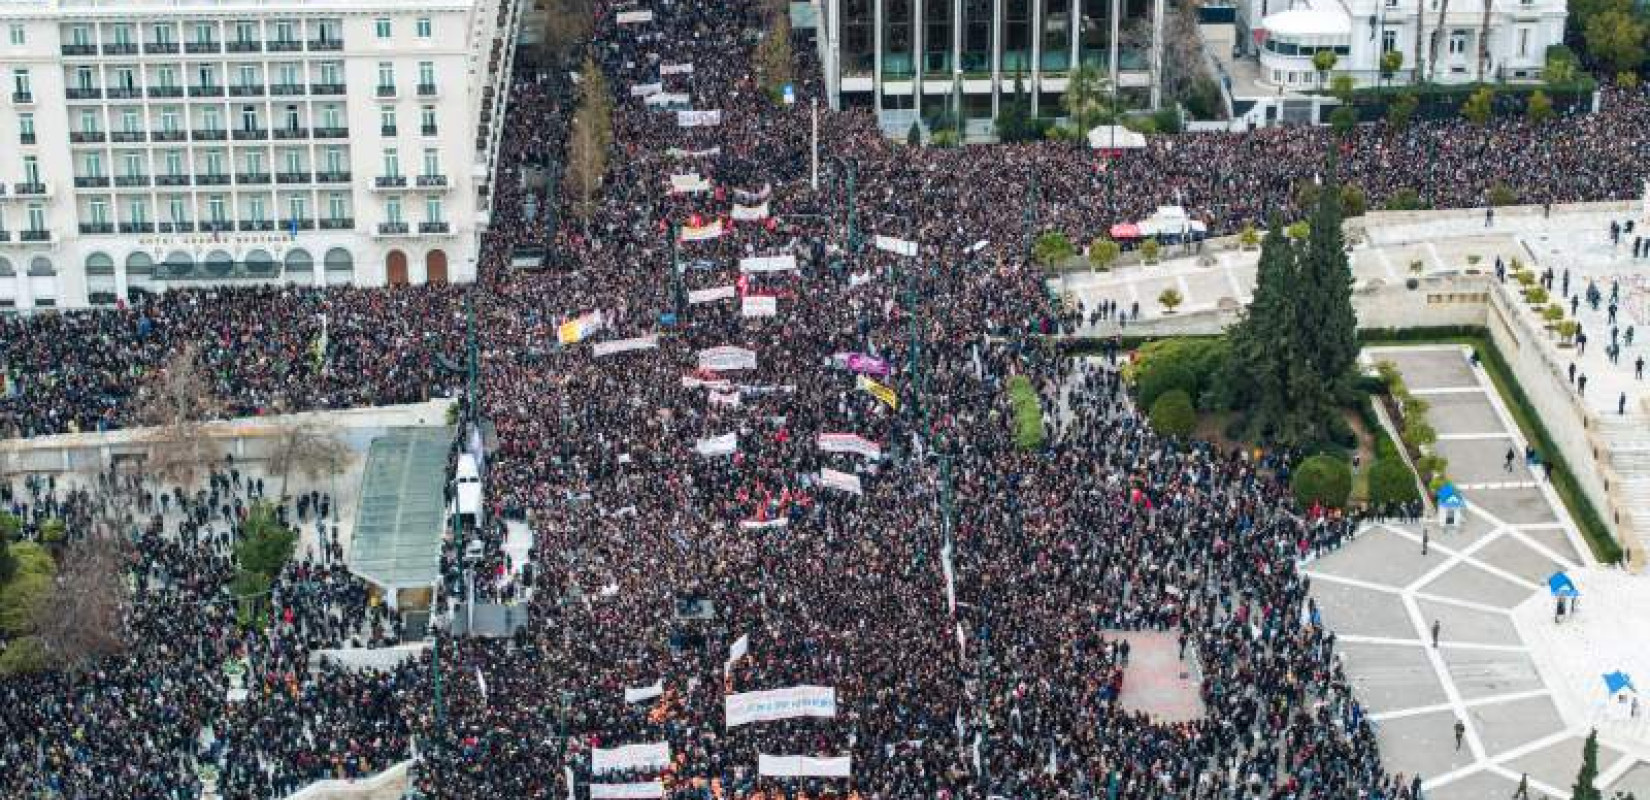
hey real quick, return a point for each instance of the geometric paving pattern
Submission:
(1382, 598)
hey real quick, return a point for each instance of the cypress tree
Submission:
(1331, 330)
(1584, 790)
(1263, 343)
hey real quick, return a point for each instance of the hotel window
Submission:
(132, 164)
(169, 120)
(175, 210)
(256, 209)
(211, 118)
(386, 119)
(382, 27)
(138, 211)
(426, 120)
(206, 75)
(330, 71)
(296, 207)
(122, 34)
(249, 118)
(37, 216)
(1457, 43)
(936, 38)
(246, 32)
(329, 117)
(248, 75)
(94, 165)
(336, 207)
(214, 162)
(1523, 42)
(432, 161)
(294, 161)
(432, 209)
(284, 31)
(289, 74)
(334, 158)
(897, 38)
(100, 211)
(174, 162)
(31, 169)
(84, 79)
(167, 76)
(392, 163)
(292, 118)
(88, 121)
(386, 75)
(20, 81)
(17, 37)
(203, 32)
(1389, 40)
(426, 73)
(392, 210)
(423, 27)
(215, 208)
(254, 162)
(126, 78)
(25, 127)
(129, 122)
(80, 36)
(162, 34)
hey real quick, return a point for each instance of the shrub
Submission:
(1161, 379)
(1103, 253)
(1502, 195)
(1029, 433)
(1249, 237)
(1173, 415)
(1298, 231)
(1202, 357)
(28, 588)
(265, 544)
(1322, 480)
(1170, 299)
(1150, 250)
(1390, 482)
(1404, 200)
(1353, 200)
(1536, 296)
(1553, 313)
(24, 656)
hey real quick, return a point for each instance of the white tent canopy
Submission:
(1115, 137)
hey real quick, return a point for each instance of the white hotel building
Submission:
(153, 144)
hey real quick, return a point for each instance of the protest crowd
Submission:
(785, 467)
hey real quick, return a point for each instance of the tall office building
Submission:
(152, 144)
(914, 59)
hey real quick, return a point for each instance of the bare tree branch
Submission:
(83, 619)
(310, 450)
(177, 401)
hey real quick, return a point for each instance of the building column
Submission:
(1036, 85)
(1157, 54)
(1072, 23)
(1116, 26)
(956, 66)
(876, 42)
(997, 10)
(918, 7)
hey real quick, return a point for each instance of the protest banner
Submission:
(756, 305)
(727, 358)
(804, 766)
(627, 791)
(750, 213)
(634, 17)
(645, 89)
(842, 481)
(898, 246)
(723, 445)
(675, 69)
(702, 233)
(879, 391)
(630, 758)
(648, 342)
(712, 294)
(636, 694)
(698, 119)
(776, 704)
(849, 443)
(759, 264)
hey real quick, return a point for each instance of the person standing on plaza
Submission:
(1460, 733)
(1435, 628)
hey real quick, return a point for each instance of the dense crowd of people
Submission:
(959, 593)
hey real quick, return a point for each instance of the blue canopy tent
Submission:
(1561, 586)
(1450, 504)
(1618, 681)
(1621, 696)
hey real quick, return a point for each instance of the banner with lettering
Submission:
(804, 766)
(727, 358)
(776, 704)
(849, 443)
(702, 233)
(634, 17)
(763, 524)
(668, 101)
(757, 305)
(645, 89)
(899, 246)
(630, 758)
(747, 197)
(880, 392)
(636, 694)
(841, 481)
(750, 213)
(575, 330)
(645, 790)
(691, 183)
(712, 294)
(862, 364)
(675, 69)
(698, 119)
(730, 399)
(723, 445)
(696, 382)
(759, 264)
(648, 342)
(677, 152)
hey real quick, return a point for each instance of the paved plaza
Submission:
(1527, 691)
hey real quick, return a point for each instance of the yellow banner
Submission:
(879, 391)
(570, 332)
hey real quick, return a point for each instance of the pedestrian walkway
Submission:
(1525, 700)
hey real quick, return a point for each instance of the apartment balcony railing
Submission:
(331, 133)
(176, 227)
(21, 98)
(166, 91)
(168, 136)
(83, 93)
(285, 46)
(303, 224)
(251, 178)
(87, 137)
(171, 180)
(217, 226)
(128, 136)
(214, 135)
(245, 47)
(197, 48)
(338, 224)
(206, 91)
(385, 91)
(91, 181)
(257, 225)
(131, 181)
(246, 91)
(434, 227)
(35, 236)
(80, 49)
(386, 130)
(332, 177)
(96, 228)
(29, 189)
(137, 227)
(5, 236)
(26, 138)
(120, 49)
(426, 90)
(390, 181)
(392, 228)
(326, 44)
(292, 177)
(211, 179)
(125, 93)
(325, 89)
(432, 181)
(251, 134)
(427, 130)
(160, 48)
(287, 89)
(291, 133)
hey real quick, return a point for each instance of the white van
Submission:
(467, 487)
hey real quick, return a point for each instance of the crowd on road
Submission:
(660, 430)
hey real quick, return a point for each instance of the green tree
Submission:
(773, 53)
(1501, 194)
(1248, 237)
(1404, 200)
(1539, 108)
(1324, 297)
(1014, 123)
(1323, 61)
(1322, 480)
(1341, 86)
(264, 545)
(1561, 67)
(1168, 375)
(1479, 106)
(1170, 299)
(913, 135)
(1263, 354)
(1173, 415)
(1402, 110)
(1029, 431)
(21, 597)
(1103, 253)
(1583, 788)
(1343, 121)
(1150, 249)
(1052, 248)
(1615, 38)
(1086, 100)
(1353, 200)
(1391, 62)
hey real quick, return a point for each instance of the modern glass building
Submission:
(915, 59)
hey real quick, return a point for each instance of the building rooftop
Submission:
(398, 526)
